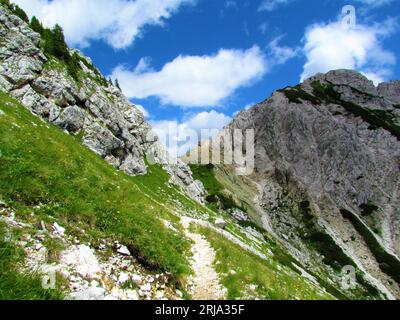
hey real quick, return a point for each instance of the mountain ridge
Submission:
(326, 171)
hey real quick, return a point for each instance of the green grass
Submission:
(47, 172)
(16, 284)
(272, 282)
(216, 191)
(205, 174)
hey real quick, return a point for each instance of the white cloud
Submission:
(118, 22)
(194, 81)
(331, 46)
(281, 54)
(270, 5)
(180, 137)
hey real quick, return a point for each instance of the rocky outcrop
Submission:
(90, 108)
(327, 156)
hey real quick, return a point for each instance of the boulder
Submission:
(124, 250)
(220, 223)
(71, 119)
(83, 260)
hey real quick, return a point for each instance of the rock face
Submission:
(92, 109)
(327, 156)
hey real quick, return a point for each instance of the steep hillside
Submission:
(80, 200)
(326, 180)
(63, 87)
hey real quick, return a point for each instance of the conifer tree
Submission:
(36, 25)
(117, 84)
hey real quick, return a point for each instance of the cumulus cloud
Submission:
(180, 137)
(332, 46)
(194, 81)
(281, 54)
(118, 22)
(271, 5)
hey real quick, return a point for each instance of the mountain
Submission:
(326, 178)
(86, 214)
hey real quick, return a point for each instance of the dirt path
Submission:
(205, 282)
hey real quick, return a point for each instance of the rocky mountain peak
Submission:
(327, 155)
(345, 77)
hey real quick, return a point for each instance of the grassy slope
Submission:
(49, 173)
(17, 285)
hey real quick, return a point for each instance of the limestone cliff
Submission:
(327, 157)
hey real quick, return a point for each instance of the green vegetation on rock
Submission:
(216, 196)
(297, 95)
(376, 118)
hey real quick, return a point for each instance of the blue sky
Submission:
(200, 61)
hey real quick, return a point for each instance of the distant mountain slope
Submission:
(327, 174)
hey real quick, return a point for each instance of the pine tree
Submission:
(117, 84)
(36, 25)
(59, 46)
(20, 13)
(73, 66)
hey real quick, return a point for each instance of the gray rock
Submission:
(321, 158)
(137, 279)
(92, 293)
(101, 140)
(58, 229)
(390, 91)
(220, 223)
(83, 260)
(71, 119)
(124, 251)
